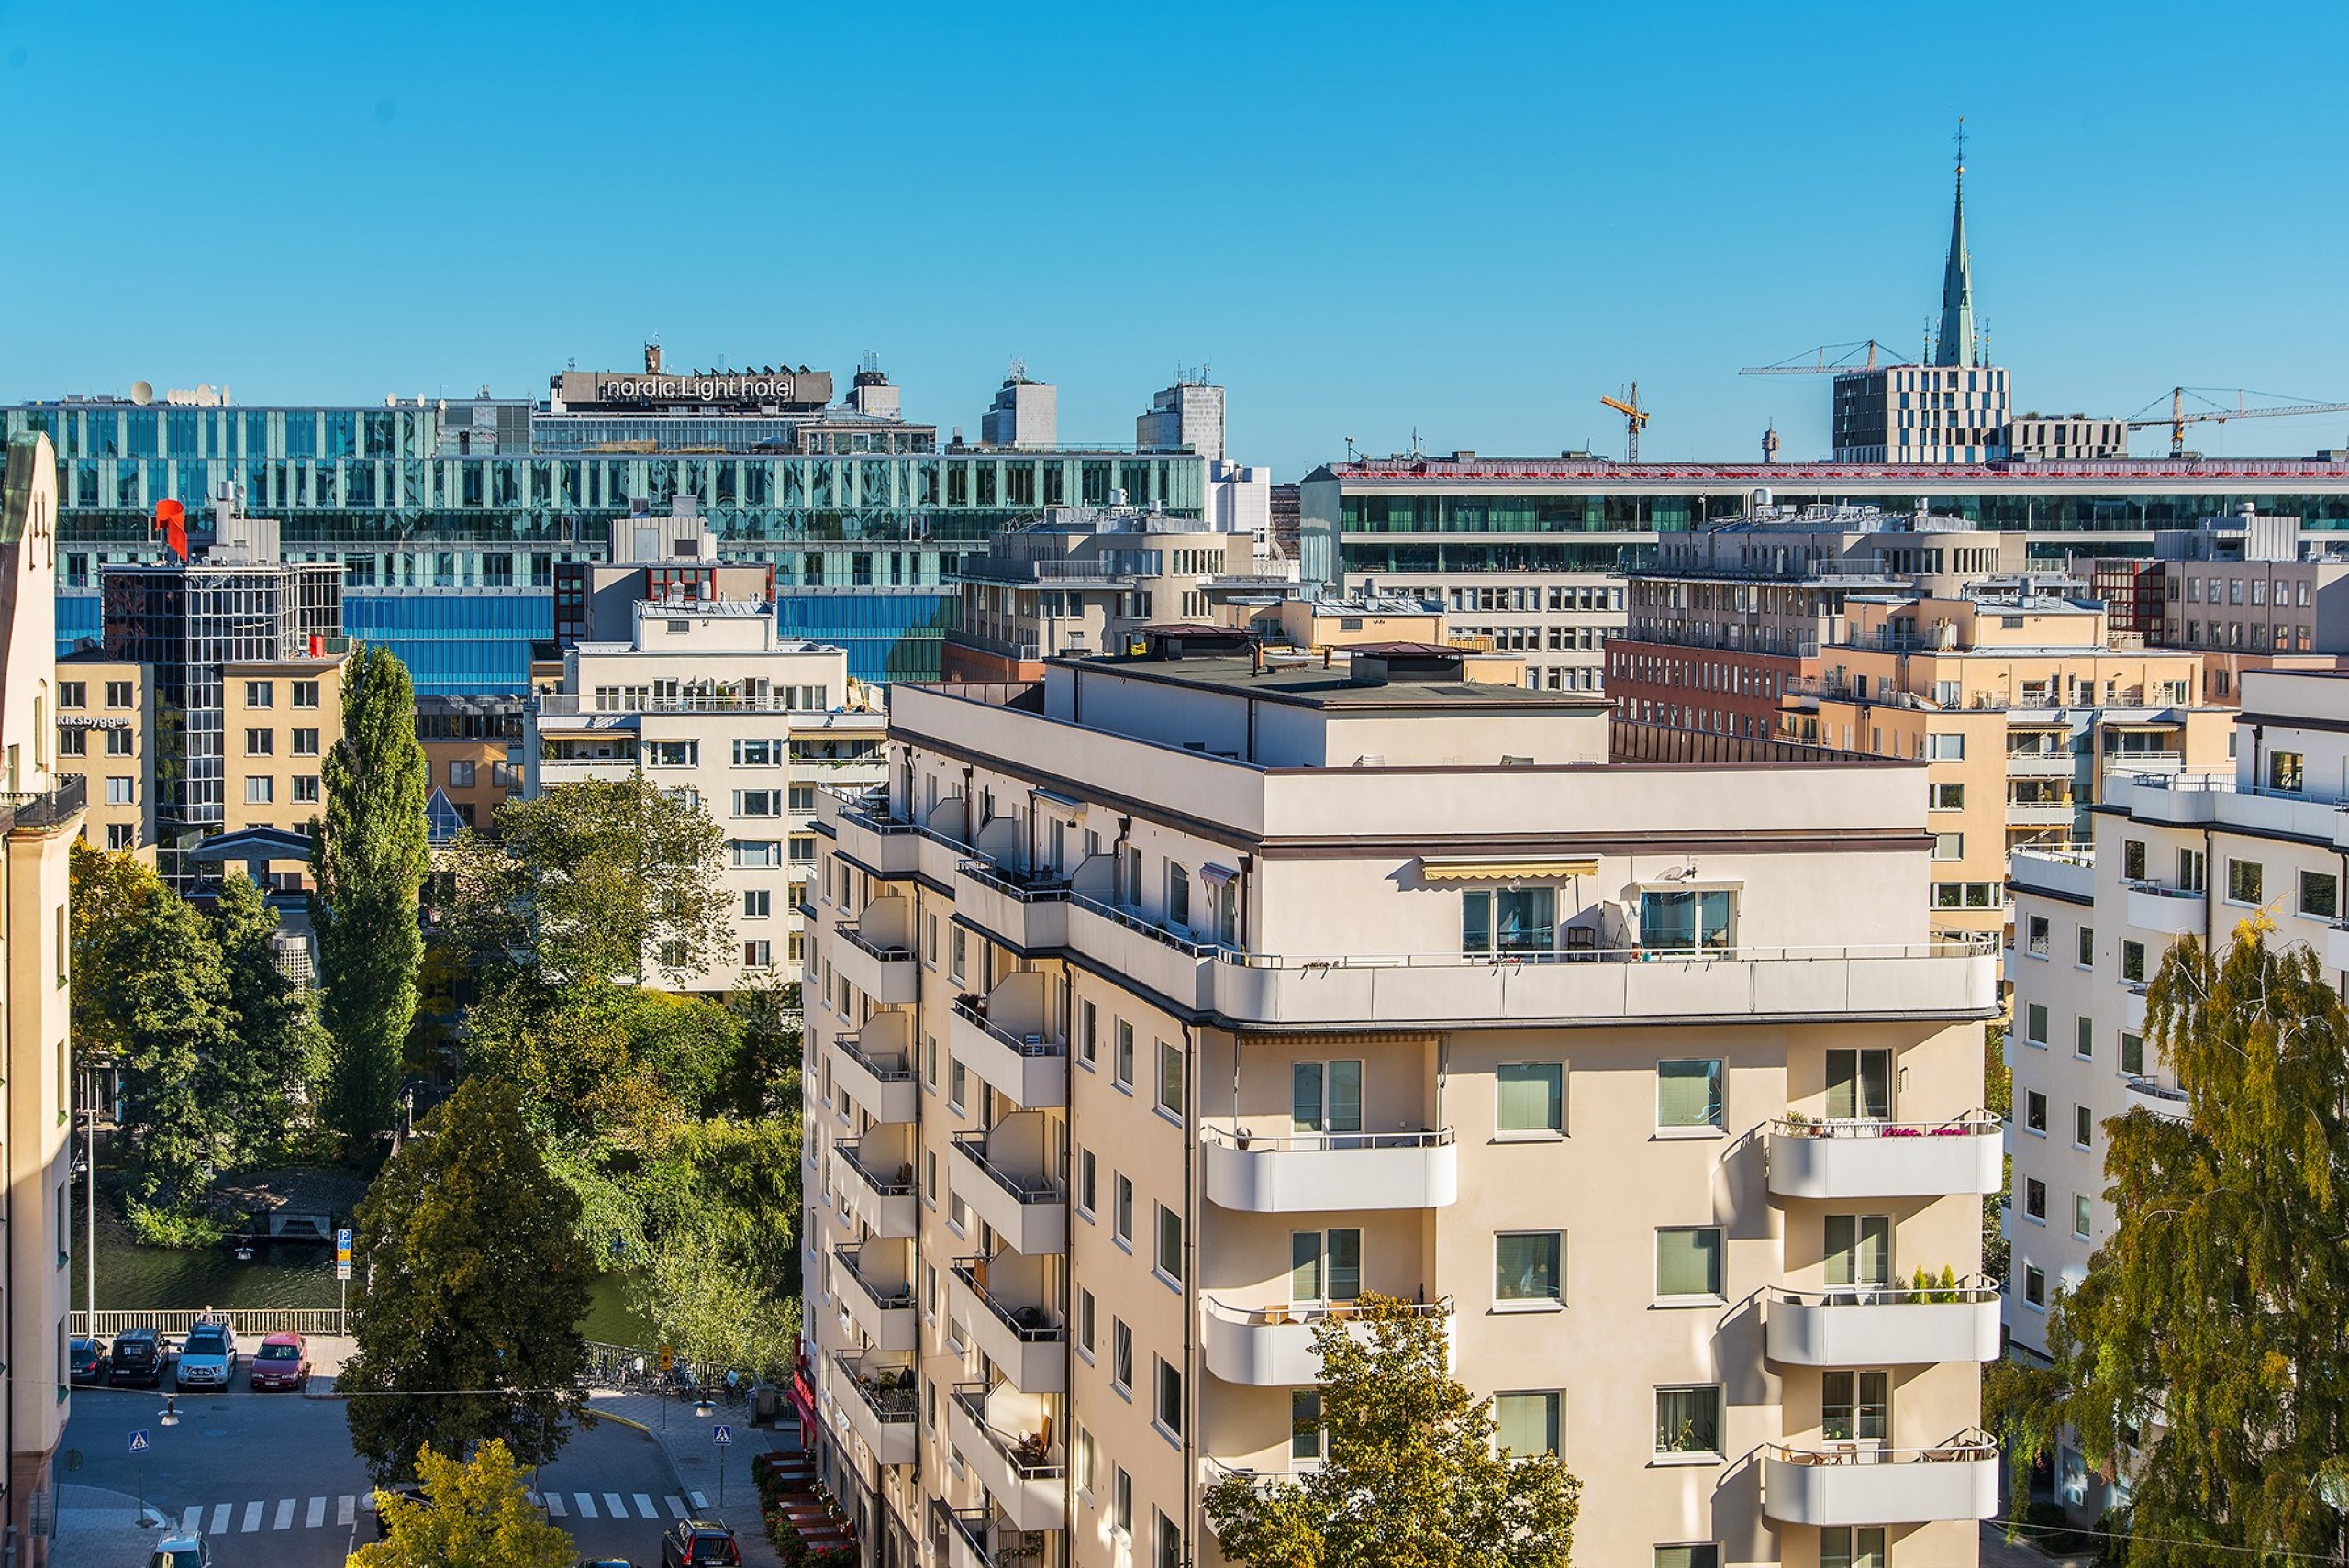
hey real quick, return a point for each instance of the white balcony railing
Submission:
(1863, 1157)
(1305, 1172)
(1884, 1325)
(1840, 1484)
(2151, 1094)
(1273, 1346)
(2169, 911)
(1025, 1473)
(881, 1401)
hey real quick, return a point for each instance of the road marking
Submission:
(616, 1505)
(253, 1518)
(644, 1509)
(676, 1507)
(193, 1520)
(317, 1514)
(346, 1509)
(555, 1508)
(586, 1501)
(285, 1514)
(220, 1520)
(701, 1504)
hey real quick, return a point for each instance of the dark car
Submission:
(606, 1562)
(698, 1543)
(138, 1359)
(283, 1361)
(86, 1362)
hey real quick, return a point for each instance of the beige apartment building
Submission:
(41, 814)
(473, 754)
(106, 737)
(1158, 1009)
(279, 719)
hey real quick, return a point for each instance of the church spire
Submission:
(1958, 344)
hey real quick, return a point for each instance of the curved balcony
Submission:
(1272, 1346)
(1023, 1337)
(1028, 1209)
(1025, 1470)
(1317, 1172)
(2169, 911)
(881, 1079)
(1865, 1158)
(881, 1306)
(883, 971)
(1855, 1485)
(879, 1400)
(883, 1198)
(1883, 1326)
(1028, 1067)
(2133, 994)
(2150, 1095)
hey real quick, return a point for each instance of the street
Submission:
(270, 1478)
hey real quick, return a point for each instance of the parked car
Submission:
(606, 1562)
(86, 1362)
(283, 1361)
(403, 1491)
(138, 1359)
(698, 1543)
(182, 1552)
(207, 1356)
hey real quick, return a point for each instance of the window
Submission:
(2086, 953)
(305, 790)
(1689, 1420)
(1088, 1171)
(306, 744)
(1858, 1249)
(1525, 1423)
(1949, 846)
(1945, 747)
(2034, 1198)
(2132, 1055)
(122, 835)
(1170, 1243)
(1179, 894)
(1527, 1266)
(1519, 919)
(2034, 1110)
(1084, 1459)
(758, 903)
(1859, 1085)
(802, 847)
(1084, 1034)
(1121, 1354)
(260, 694)
(2034, 1285)
(1169, 1413)
(2080, 1215)
(672, 753)
(2286, 771)
(1533, 1096)
(1122, 1070)
(260, 743)
(1121, 1501)
(1688, 1261)
(2193, 867)
(1852, 1406)
(758, 803)
(958, 951)
(123, 791)
(1325, 1265)
(1170, 1079)
(1170, 1543)
(73, 693)
(757, 854)
(1703, 1555)
(1087, 1313)
(2035, 931)
(1307, 1439)
(2034, 1024)
(2320, 895)
(2084, 1039)
(1946, 797)
(1851, 1546)
(757, 955)
(122, 693)
(2132, 860)
(1686, 919)
(958, 1084)
(76, 742)
(1121, 1221)
(1325, 1096)
(1688, 1094)
(758, 754)
(2244, 881)
(2133, 961)
(260, 790)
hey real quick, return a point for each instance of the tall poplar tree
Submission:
(369, 858)
(247, 1084)
(2203, 1354)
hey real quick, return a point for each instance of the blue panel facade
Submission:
(888, 636)
(80, 620)
(455, 643)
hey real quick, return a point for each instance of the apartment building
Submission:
(473, 751)
(707, 696)
(40, 814)
(279, 719)
(1158, 1009)
(106, 737)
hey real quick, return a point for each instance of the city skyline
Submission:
(1292, 206)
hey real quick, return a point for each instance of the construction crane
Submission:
(1634, 416)
(2180, 416)
(1817, 362)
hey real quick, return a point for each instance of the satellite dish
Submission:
(204, 392)
(142, 393)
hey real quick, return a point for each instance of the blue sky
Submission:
(1467, 220)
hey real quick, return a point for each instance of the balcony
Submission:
(883, 1199)
(2133, 994)
(2169, 911)
(2040, 814)
(1272, 1346)
(2150, 1095)
(1027, 1208)
(2040, 764)
(1024, 1064)
(1023, 1336)
(1863, 1158)
(1312, 1173)
(880, 1302)
(2336, 946)
(1884, 1326)
(880, 1399)
(1855, 1485)
(1167, 962)
(880, 1080)
(2066, 873)
(1955, 978)
(867, 834)
(1027, 909)
(1008, 1440)
(967, 1532)
(884, 971)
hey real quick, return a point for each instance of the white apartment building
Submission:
(1158, 1009)
(707, 697)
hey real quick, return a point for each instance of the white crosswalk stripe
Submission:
(220, 1520)
(586, 1501)
(285, 1514)
(317, 1514)
(193, 1520)
(616, 1505)
(676, 1507)
(252, 1516)
(555, 1506)
(644, 1509)
(346, 1510)
(701, 1504)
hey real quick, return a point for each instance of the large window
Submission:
(1852, 1406)
(1170, 1079)
(1325, 1096)
(1515, 919)
(2246, 880)
(1526, 1423)
(1170, 1396)
(1683, 920)
(2320, 895)
(1859, 1250)
(1325, 1265)
(1859, 1084)
(1851, 1546)
(1528, 1265)
(1688, 1094)
(1308, 1439)
(1688, 1261)
(1689, 1420)
(1533, 1096)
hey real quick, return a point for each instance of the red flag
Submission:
(171, 518)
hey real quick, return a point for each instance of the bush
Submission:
(174, 1227)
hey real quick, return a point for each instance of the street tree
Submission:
(1413, 1477)
(110, 888)
(475, 1280)
(248, 1082)
(2203, 1351)
(164, 995)
(603, 879)
(368, 860)
(477, 1515)
(721, 1219)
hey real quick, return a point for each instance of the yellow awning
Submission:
(1505, 871)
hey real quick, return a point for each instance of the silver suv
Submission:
(207, 1357)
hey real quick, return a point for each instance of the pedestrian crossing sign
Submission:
(723, 1437)
(138, 1441)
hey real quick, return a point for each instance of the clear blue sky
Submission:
(1471, 220)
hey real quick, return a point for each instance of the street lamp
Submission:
(171, 1415)
(704, 1409)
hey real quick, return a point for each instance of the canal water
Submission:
(132, 1277)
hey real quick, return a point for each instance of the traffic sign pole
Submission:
(342, 1275)
(723, 1436)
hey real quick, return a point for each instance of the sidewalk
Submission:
(97, 1528)
(699, 1463)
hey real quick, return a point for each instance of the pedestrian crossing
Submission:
(264, 1516)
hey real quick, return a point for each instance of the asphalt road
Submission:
(270, 1478)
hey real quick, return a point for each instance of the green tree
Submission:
(2204, 1348)
(368, 860)
(110, 887)
(600, 879)
(477, 1279)
(166, 997)
(721, 1219)
(614, 1062)
(479, 1515)
(247, 1082)
(1413, 1479)
(1998, 1098)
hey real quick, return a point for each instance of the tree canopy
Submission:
(2203, 1352)
(475, 1279)
(271, 1048)
(477, 1515)
(1412, 1478)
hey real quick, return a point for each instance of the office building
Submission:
(40, 814)
(1025, 413)
(708, 698)
(1158, 1009)
(2064, 438)
(1186, 416)
(106, 737)
(2247, 591)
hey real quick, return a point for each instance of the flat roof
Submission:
(1312, 684)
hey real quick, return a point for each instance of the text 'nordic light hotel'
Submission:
(1162, 1007)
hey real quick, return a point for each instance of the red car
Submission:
(283, 1361)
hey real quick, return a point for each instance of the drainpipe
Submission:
(1193, 1201)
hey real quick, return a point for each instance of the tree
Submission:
(369, 858)
(166, 1000)
(479, 1515)
(1998, 1098)
(1412, 1480)
(2204, 1348)
(109, 889)
(248, 1082)
(721, 1216)
(600, 880)
(477, 1279)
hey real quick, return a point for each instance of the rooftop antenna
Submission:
(1350, 453)
(1018, 367)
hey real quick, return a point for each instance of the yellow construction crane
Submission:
(1634, 416)
(1820, 363)
(2180, 416)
